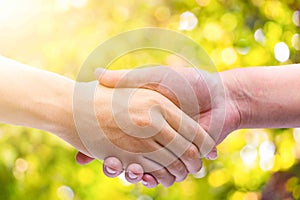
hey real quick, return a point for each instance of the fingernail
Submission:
(110, 170)
(98, 72)
(144, 183)
(132, 175)
(212, 156)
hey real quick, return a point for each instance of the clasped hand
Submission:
(150, 137)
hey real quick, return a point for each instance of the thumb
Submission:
(130, 78)
(109, 78)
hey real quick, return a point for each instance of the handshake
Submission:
(158, 121)
(154, 123)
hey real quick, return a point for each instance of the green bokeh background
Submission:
(58, 35)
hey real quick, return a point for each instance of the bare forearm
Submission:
(267, 97)
(35, 98)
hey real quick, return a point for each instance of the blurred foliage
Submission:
(58, 35)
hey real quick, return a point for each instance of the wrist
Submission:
(60, 118)
(242, 94)
(237, 102)
(220, 88)
(36, 98)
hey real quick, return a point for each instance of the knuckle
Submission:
(142, 121)
(192, 152)
(160, 174)
(144, 146)
(155, 100)
(178, 166)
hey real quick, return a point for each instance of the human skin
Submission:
(257, 97)
(36, 98)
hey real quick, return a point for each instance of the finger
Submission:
(213, 154)
(164, 177)
(112, 167)
(149, 181)
(98, 73)
(110, 78)
(130, 78)
(134, 173)
(178, 169)
(166, 158)
(161, 175)
(184, 151)
(192, 160)
(83, 159)
(188, 128)
(175, 166)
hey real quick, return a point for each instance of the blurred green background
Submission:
(58, 35)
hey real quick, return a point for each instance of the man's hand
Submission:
(212, 91)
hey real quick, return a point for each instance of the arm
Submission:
(35, 98)
(266, 97)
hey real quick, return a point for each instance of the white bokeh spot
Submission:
(259, 36)
(281, 52)
(188, 21)
(248, 154)
(267, 155)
